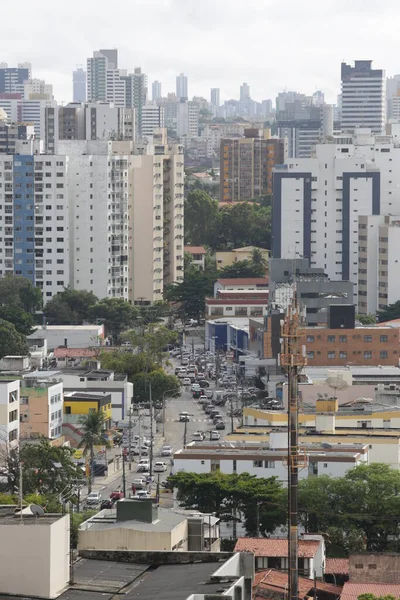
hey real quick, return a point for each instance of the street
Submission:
(174, 436)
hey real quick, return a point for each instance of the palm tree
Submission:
(92, 427)
(258, 260)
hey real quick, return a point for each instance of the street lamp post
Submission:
(163, 403)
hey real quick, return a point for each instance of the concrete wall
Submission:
(123, 538)
(79, 336)
(374, 568)
(43, 560)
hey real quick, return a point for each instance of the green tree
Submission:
(92, 427)
(243, 224)
(259, 261)
(126, 362)
(190, 294)
(162, 386)
(17, 316)
(69, 307)
(241, 268)
(366, 319)
(227, 494)
(11, 342)
(19, 292)
(154, 342)
(201, 218)
(116, 314)
(47, 470)
(392, 311)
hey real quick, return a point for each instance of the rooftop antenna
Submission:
(337, 383)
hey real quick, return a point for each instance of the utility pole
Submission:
(140, 436)
(231, 401)
(184, 434)
(21, 493)
(123, 472)
(293, 359)
(151, 431)
(130, 439)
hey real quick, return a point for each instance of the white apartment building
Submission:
(104, 80)
(41, 409)
(152, 118)
(363, 97)
(9, 413)
(318, 201)
(95, 121)
(378, 273)
(187, 124)
(37, 88)
(214, 133)
(156, 258)
(32, 111)
(182, 86)
(98, 216)
(34, 216)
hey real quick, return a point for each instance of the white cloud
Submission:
(270, 44)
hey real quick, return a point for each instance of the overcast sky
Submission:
(271, 44)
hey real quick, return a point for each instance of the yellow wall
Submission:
(83, 407)
(229, 258)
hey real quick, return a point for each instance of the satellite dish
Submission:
(325, 445)
(37, 510)
(337, 383)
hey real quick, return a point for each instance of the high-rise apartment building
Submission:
(12, 79)
(182, 86)
(37, 89)
(246, 165)
(215, 100)
(187, 119)
(95, 121)
(244, 92)
(363, 97)
(156, 91)
(11, 133)
(304, 127)
(136, 95)
(170, 106)
(152, 118)
(105, 82)
(320, 205)
(156, 222)
(79, 85)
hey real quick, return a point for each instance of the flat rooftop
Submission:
(106, 519)
(8, 516)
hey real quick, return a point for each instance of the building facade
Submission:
(363, 97)
(152, 119)
(79, 85)
(9, 413)
(41, 410)
(246, 166)
(104, 81)
(12, 79)
(187, 119)
(156, 91)
(182, 86)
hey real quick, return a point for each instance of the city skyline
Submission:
(202, 42)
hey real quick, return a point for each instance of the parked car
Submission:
(116, 495)
(198, 436)
(136, 451)
(141, 495)
(166, 451)
(219, 425)
(159, 467)
(100, 469)
(184, 417)
(93, 499)
(215, 435)
(139, 483)
(106, 504)
(143, 468)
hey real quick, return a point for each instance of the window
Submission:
(325, 465)
(383, 354)
(367, 338)
(342, 354)
(310, 338)
(331, 338)
(331, 354)
(310, 354)
(343, 338)
(269, 464)
(383, 338)
(367, 354)
(258, 463)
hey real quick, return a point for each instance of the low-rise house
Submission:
(274, 584)
(237, 304)
(142, 525)
(79, 336)
(336, 570)
(352, 591)
(79, 404)
(273, 553)
(241, 284)
(198, 254)
(226, 259)
(270, 460)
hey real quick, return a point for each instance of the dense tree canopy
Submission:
(11, 342)
(243, 224)
(392, 311)
(19, 300)
(260, 500)
(190, 294)
(116, 314)
(69, 307)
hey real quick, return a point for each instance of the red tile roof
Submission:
(351, 591)
(244, 281)
(80, 352)
(195, 249)
(275, 547)
(277, 580)
(337, 566)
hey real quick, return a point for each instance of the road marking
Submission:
(191, 421)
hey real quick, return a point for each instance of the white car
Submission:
(214, 435)
(159, 467)
(184, 417)
(203, 400)
(139, 483)
(187, 381)
(166, 451)
(144, 461)
(93, 498)
(198, 436)
(195, 387)
(141, 495)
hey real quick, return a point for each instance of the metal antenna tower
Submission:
(293, 359)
